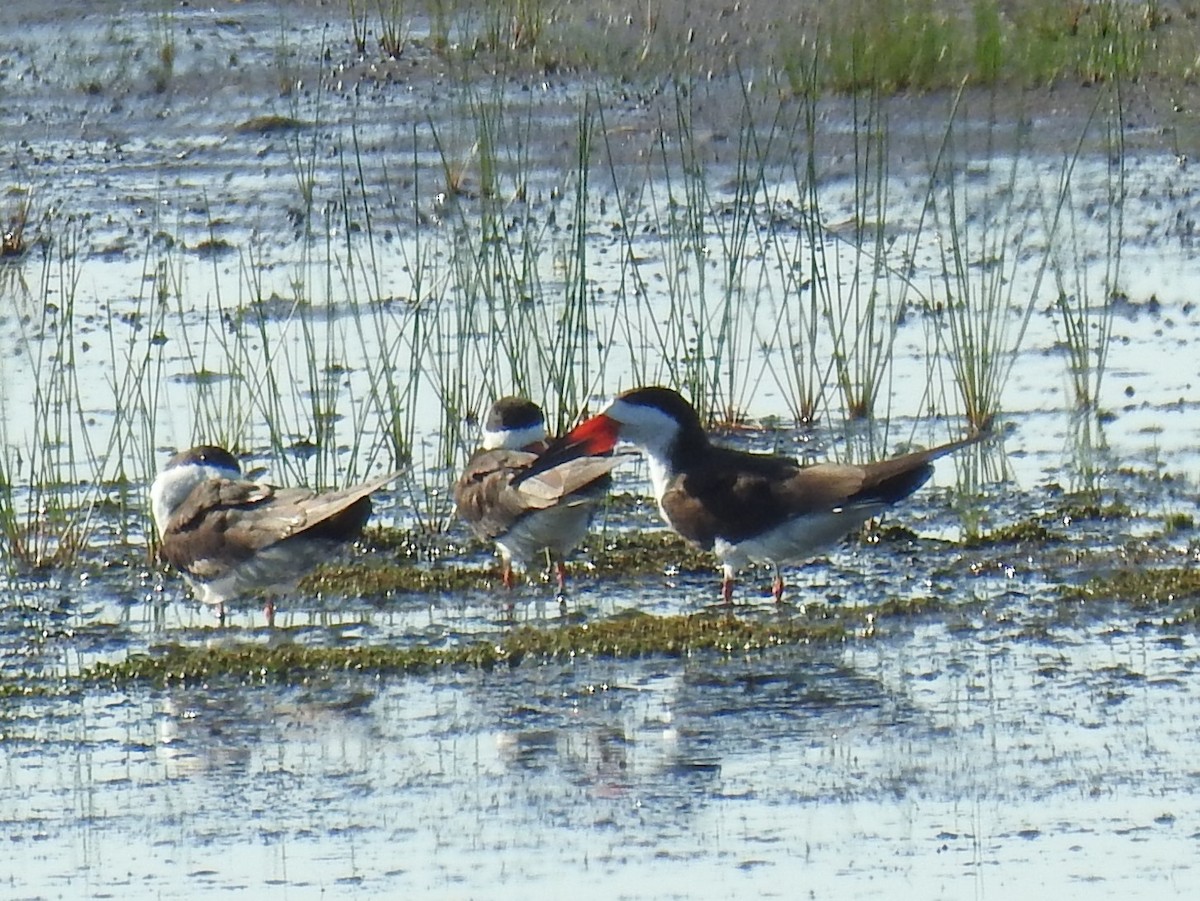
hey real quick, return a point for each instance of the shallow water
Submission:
(926, 765)
(1018, 746)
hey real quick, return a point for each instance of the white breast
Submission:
(558, 529)
(797, 539)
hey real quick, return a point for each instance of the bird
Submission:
(743, 507)
(550, 513)
(231, 536)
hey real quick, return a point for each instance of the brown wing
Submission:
(224, 522)
(490, 505)
(896, 478)
(333, 515)
(581, 476)
(735, 495)
(483, 496)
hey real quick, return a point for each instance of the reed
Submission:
(394, 27)
(888, 46)
(707, 253)
(722, 285)
(137, 346)
(440, 14)
(1085, 309)
(47, 466)
(380, 321)
(802, 377)
(359, 24)
(862, 317)
(989, 227)
(520, 329)
(567, 369)
(13, 242)
(847, 279)
(162, 71)
(742, 227)
(513, 26)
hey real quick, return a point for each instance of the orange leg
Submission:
(269, 612)
(727, 586)
(561, 569)
(506, 577)
(777, 586)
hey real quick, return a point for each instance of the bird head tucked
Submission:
(183, 472)
(513, 423)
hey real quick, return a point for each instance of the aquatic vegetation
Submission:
(162, 70)
(633, 554)
(624, 555)
(1174, 523)
(13, 221)
(1053, 526)
(379, 580)
(270, 123)
(1031, 531)
(991, 227)
(631, 635)
(852, 274)
(730, 277)
(885, 45)
(1142, 588)
(44, 520)
(1085, 293)
(393, 32)
(1086, 507)
(983, 43)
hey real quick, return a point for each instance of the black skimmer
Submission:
(550, 513)
(231, 536)
(743, 506)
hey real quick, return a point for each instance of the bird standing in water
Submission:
(742, 506)
(231, 536)
(549, 514)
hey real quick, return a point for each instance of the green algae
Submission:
(1029, 531)
(418, 565)
(386, 579)
(1083, 508)
(400, 561)
(1178, 522)
(1140, 588)
(891, 533)
(178, 664)
(270, 124)
(407, 544)
(633, 554)
(628, 635)
(1046, 528)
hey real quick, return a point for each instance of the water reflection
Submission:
(923, 764)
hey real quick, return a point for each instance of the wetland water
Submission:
(1016, 741)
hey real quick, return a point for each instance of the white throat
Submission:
(513, 439)
(660, 473)
(172, 487)
(654, 432)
